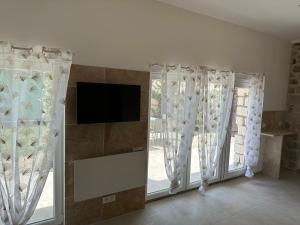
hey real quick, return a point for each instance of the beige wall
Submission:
(130, 34)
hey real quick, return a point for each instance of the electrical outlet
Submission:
(108, 199)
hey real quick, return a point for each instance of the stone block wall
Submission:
(291, 157)
(85, 141)
(239, 124)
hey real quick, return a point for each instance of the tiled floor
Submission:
(258, 201)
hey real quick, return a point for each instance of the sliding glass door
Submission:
(231, 162)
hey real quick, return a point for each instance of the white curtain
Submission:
(213, 114)
(254, 118)
(33, 84)
(179, 85)
(196, 103)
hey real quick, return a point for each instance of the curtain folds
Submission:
(179, 86)
(213, 115)
(254, 119)
(196, 104)
(33, 85)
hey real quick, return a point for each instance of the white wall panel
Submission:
(101, 176)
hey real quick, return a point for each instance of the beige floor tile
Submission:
(242, 201)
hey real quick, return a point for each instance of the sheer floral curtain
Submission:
(254, 119)
(33, 85)
(179, 85)
(213, 114)
(196, 103)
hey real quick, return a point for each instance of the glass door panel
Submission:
(157, 177)
(194, 163)
(49, 210)
(45, 207)
(158, 181)
(238, 129)
(232, 160)
(193, 172)
(235, 149)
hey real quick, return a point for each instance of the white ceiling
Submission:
(280, 18)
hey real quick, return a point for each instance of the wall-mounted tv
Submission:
(106, 103)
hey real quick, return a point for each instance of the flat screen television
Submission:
(106, 103)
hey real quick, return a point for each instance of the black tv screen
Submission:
(105, 103)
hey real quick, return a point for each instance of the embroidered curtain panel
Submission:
(254, 119)
(196, 103)
(33, 86)
(179, 86)
(213, 114)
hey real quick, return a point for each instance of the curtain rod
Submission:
(210, 69)
(44, 49)
(189, 68)
(31, 49)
